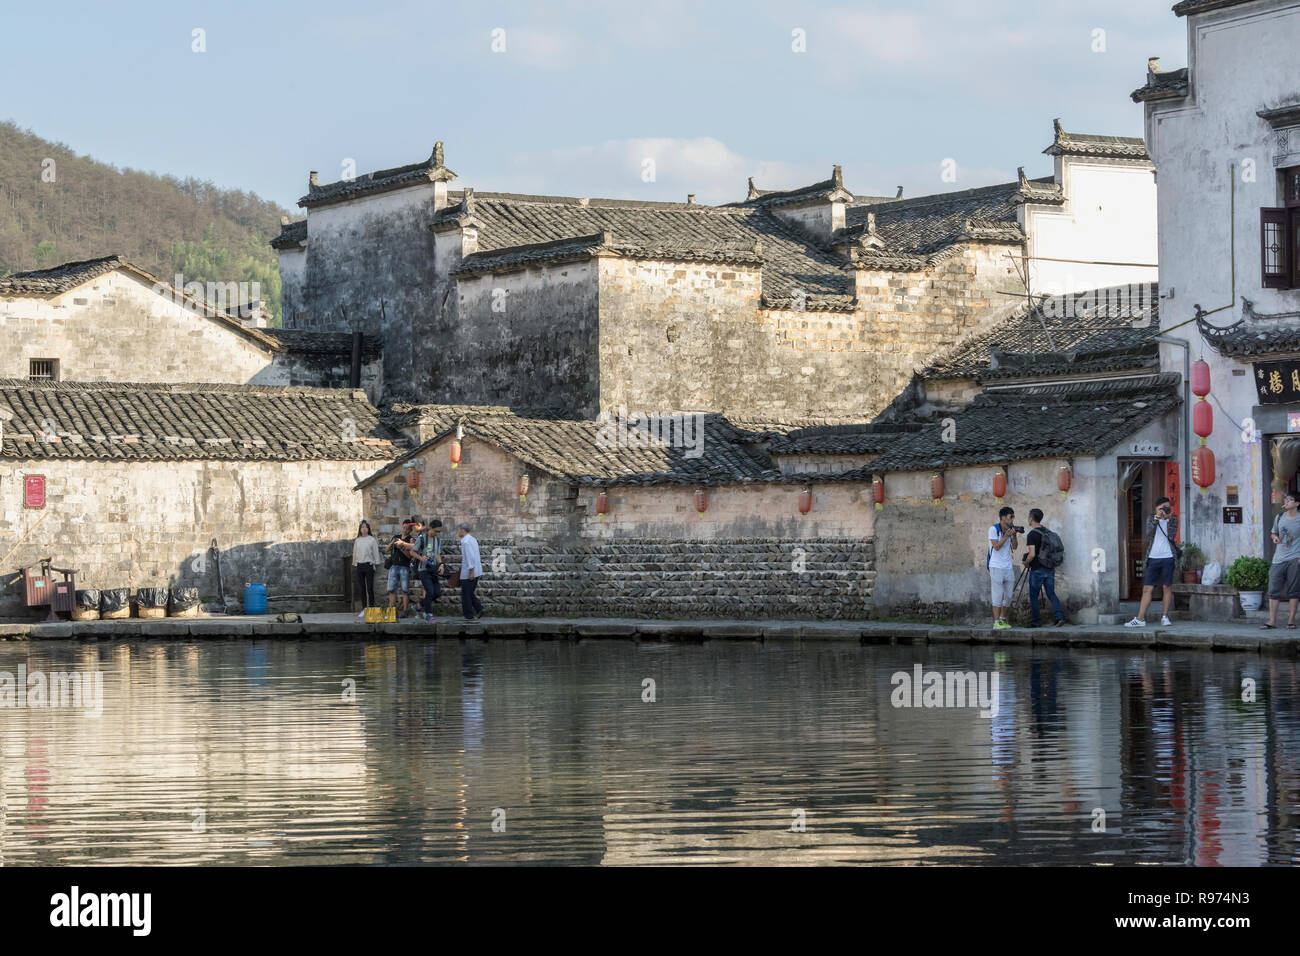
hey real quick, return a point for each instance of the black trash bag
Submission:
(115, 599)
(151, 597)
(88, 600)
(183, 599)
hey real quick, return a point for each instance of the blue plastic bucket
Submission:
(255, 599)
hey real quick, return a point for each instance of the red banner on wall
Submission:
(1171, 492)
(34, 491)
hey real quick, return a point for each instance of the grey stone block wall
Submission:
(748, 579)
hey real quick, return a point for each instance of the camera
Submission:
(1018, 529)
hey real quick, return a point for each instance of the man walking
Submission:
(1284, 573)
(427, 555)
(1158, 546)
(471, 569)
(1002, 573)
(1040, 574)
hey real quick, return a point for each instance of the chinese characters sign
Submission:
(34, 491)
(1277, 383)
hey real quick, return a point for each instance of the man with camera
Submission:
(1162, 554)
(1003, 539)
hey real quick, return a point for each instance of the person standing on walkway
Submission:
(471, 569)
(1162, 554)
(365, 555)
(399, 571)
(1284, 572)
(1002, 573)
(1041, 575)
(427, 555)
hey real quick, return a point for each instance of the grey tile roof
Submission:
(1041, 421)
(161, 422)
(1088, 332)
(928, 225)
(581, 452)
(382, 180)
(1254, 334)
(1189, 7)
(442, 417)
(291, 234)
(832, 188)
(330, 343)
(1162, 86)
(511, 227)
(854, 439)
(1088, 144)
(60, 278)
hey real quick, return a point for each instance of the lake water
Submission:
(491, 752)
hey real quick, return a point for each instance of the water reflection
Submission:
(253, 753)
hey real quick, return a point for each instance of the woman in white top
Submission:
(365, 555)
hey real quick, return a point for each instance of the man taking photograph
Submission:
(1002, 573)
(1158, 546)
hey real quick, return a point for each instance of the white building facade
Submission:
(1224, 133)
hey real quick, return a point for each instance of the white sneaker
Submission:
(1136, 622)
(1165, 622)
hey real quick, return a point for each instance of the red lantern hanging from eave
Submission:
(999, 485)
(1202, 468)
(1202, 419)
(455, 452)
(1064, 477)
(602, 504)
(878, 492)
(936, 486)
(1200, 378)
(805, 501)
(522, 487)
(701, 501)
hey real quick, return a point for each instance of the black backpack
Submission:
(1051, 553)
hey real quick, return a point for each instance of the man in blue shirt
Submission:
(471, 569)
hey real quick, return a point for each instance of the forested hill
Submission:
(162, 224)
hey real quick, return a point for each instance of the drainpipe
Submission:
(1187, 428)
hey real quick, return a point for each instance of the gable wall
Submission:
(115, 327)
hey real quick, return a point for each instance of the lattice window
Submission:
(46, 370)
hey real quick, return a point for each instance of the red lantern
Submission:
(602, 504)
(522, 487)
(878, 492)
(1202, 419)
(455, 452)
(999, 485)
(1063, 479)
(805, 501)
(412, 478)
(701, 501)
(1202, 468)
(936, 486)
(1200, 378)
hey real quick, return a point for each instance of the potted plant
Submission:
(1250, 577)
(1191, 563)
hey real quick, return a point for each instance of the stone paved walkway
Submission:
(1244, 636)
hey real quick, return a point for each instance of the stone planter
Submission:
(1250, 600)
(1191, 577)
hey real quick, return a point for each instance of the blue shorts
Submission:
(1159, 571)
(399, 579)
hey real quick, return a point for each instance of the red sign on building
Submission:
(34, 491)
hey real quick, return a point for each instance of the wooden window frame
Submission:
(1286, 219)
(54, 370)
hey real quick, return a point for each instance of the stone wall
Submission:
(750, 555)
(116, 328)
(519, 338)
(368, 267)
(149, 524)
(325, 370)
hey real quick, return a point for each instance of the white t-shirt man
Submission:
(1160, 546)
(1000, 557)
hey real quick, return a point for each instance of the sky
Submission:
(573, 98)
